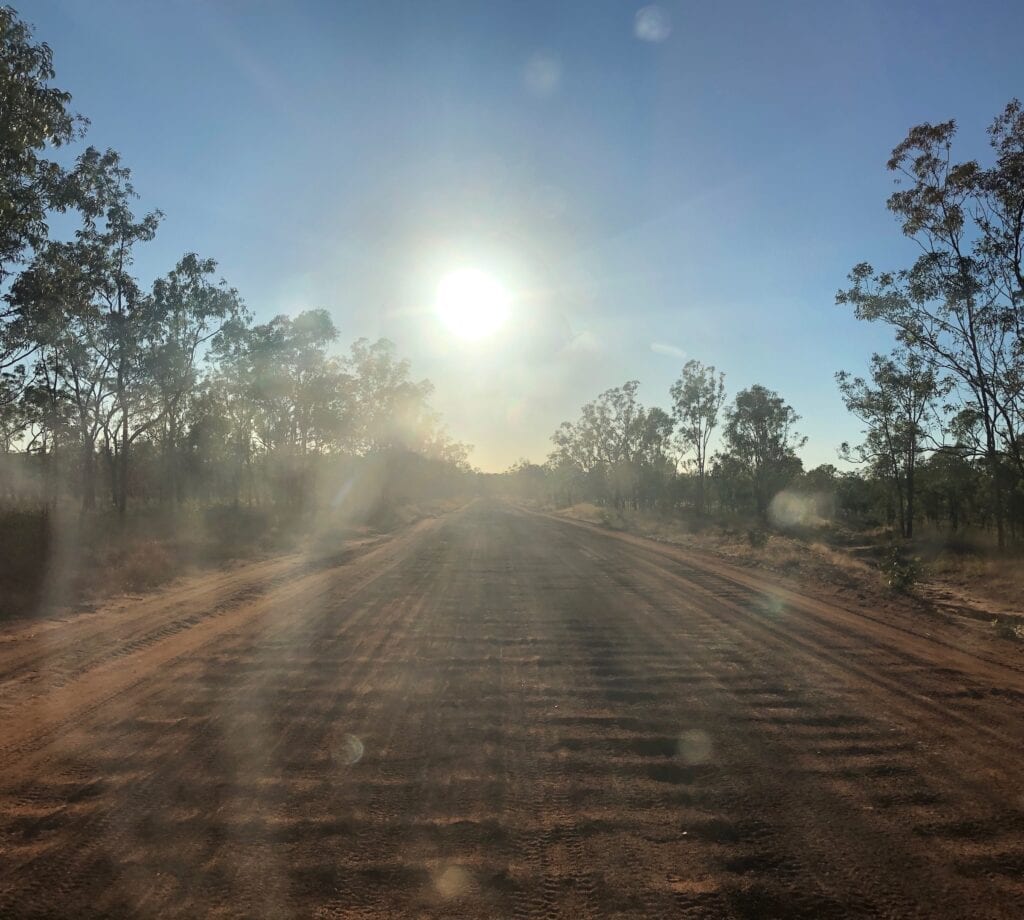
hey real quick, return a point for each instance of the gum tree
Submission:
(961, 303)
(898, 407)
(697, 399)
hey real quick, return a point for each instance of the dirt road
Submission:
(501, 714)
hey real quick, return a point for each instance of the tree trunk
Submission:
(170, 488)
(174, 459)
(909, 529)
(121, 497)
(997, 499)
(88, 474)
(50, 477)
(992, 456)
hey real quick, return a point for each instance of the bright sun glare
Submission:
(472, 304)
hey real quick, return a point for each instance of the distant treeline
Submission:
(112, 392)
(942, 415)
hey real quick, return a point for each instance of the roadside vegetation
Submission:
(144, 429)
(148, 427)
(935, 487)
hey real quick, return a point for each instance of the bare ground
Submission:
(501, 714)
(970, 592)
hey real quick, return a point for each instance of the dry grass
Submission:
(58, 558)
(957, 572)
(25, 540)
(594, 514)
(52, 558)
(990, 580)
(140, 566)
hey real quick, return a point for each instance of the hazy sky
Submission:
(692, 182)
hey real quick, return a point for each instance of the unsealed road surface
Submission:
(501, 714)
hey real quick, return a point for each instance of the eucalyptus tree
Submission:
(286, 398)
(574, 448)
(34, 120)
(390, 409)
(90, 319)
(107, 239)
(899, 407)
(222, 419)
(35, 117)
(617, 448)
(294, 376)
(961, 302)
(188, 310)
(697, 399)
(656, 467)
(599, 440)
(760, 440)
(952, 488)
(13, 421)
(54, 296)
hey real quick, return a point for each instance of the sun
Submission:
(472, 304)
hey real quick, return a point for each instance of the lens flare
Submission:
(351, 750)
(454, 882)
(694, 746)
(472, 304)
(652, 24)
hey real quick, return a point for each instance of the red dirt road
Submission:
(501, 714)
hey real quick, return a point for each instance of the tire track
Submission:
(502, 715)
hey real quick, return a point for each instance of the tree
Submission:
(13, 419)
(53, 297)
(898, 407)
(172, 385)
(655, 467)
(188, 310)
(961, 303)
(89, 318)
(35, 116)
(949, 485)
(608, 441)
(106, 244)
(759, 436)
(391, 409)
(526, 480)
(277, 381)
(697, 398)
(616, 451)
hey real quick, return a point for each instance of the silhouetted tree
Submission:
(188, 310)
(759, 435)
(697, 398)
(34, 117)
(961, 304)
(898, 406)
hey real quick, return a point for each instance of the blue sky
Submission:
(702, 195)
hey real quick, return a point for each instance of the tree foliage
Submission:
(760, 438)
(961, 303)
(35, 118)
(697, 399)
(616, 450)
(898, 406)
(168, 393)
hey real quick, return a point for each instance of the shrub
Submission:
(1007, 629)
(146, 565)
(757, 537)
(901, 572)
(612, 519)
(25, 545)
(234, 529)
